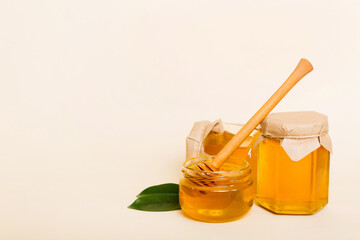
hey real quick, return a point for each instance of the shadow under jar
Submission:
(220, 196)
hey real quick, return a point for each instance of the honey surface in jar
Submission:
(219, 198)
(292, 187)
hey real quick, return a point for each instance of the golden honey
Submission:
(220, 196)
(291, 187)
(214, 142)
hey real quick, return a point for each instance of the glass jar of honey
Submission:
(219, 196)
(293, 163)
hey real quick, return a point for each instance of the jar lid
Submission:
(300, 133)
(295, 125)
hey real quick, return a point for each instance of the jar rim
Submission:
(238, 171)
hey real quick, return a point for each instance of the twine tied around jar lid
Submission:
(300, 133)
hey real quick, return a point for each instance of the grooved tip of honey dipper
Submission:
(206, 166)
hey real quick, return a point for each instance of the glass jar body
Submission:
(285, 186)
(220, 196)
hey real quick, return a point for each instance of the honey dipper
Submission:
(303, 68)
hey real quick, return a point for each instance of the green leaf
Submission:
(163, 197)
(162, 188)
(157, 202)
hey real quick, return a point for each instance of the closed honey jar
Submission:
(293, 163)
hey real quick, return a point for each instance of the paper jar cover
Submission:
(199, 132)
(300, 133)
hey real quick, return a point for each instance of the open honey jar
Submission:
(293, 163)
(219, 196)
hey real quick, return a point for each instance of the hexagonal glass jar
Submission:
(293, 163)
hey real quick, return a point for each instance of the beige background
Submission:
(97, 98)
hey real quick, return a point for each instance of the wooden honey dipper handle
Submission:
(303, 68)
